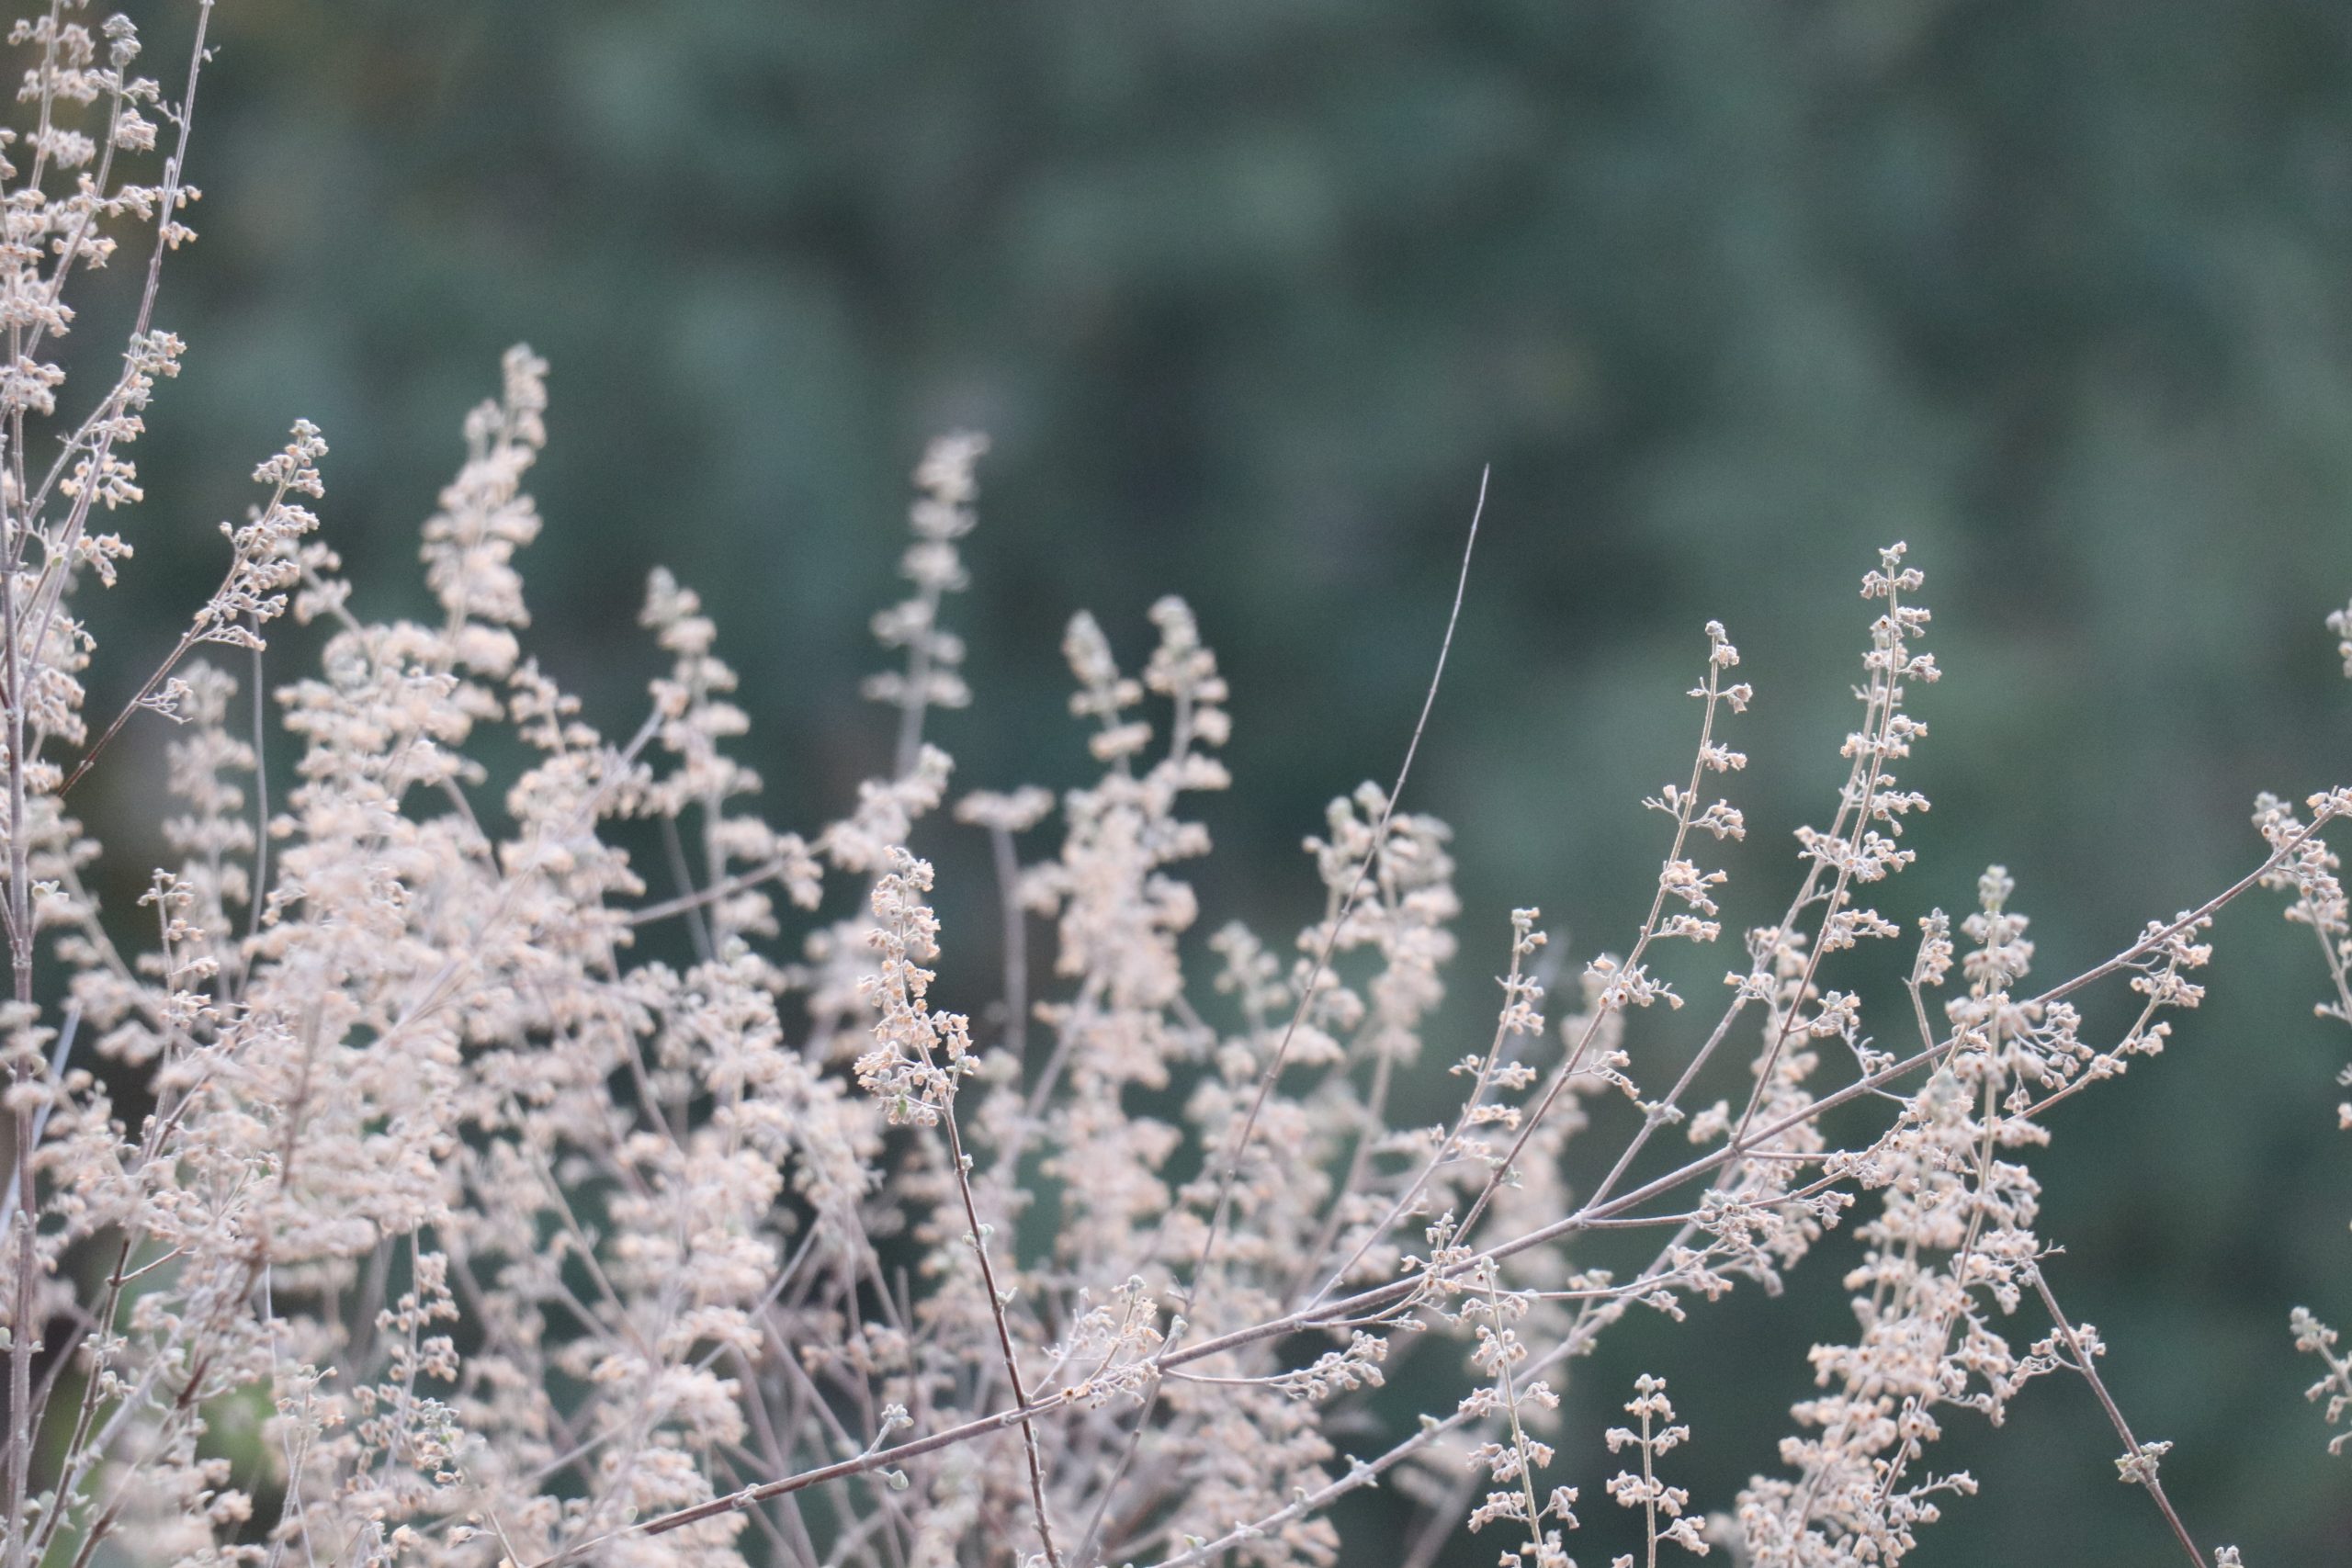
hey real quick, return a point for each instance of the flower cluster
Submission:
(494, 1141)
(1657, 1434)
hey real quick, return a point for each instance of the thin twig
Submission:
(1363, 872)
(2082, 1364)
(1239, 1148)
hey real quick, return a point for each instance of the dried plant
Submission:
(372, 1199)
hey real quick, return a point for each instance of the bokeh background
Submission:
(1247, 292)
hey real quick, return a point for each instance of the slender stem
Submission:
(1274, 1068)
(1649, 1490)
(257, 894)
(687, 903)
(978, 1235)
(20, 965)
(1470, 1105)
(207, 620)
(1016, 943)
(1510, 1411)
(2082, 1364)
(1239, 1148)
(1004, 1337)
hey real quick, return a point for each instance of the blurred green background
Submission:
(1247, 292)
